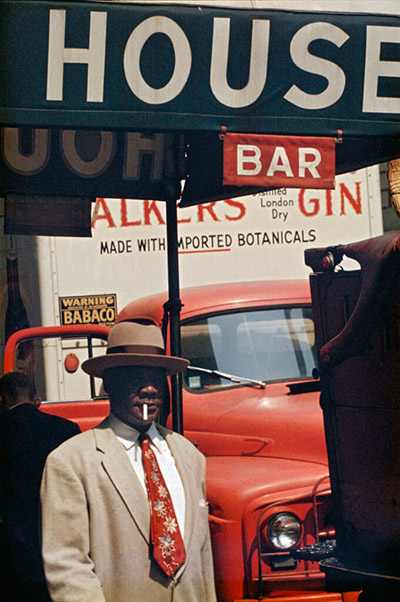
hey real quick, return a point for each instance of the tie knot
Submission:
(144, 437)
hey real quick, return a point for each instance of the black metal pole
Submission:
(174, 306)
(172, 193)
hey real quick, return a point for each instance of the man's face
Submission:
(130, 387)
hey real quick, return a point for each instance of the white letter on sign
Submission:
(280, 162)
(313, 64)
(253, 158)
(94, 56)
(310, 165)
(228, 96)
(375, 68)
(183, 60)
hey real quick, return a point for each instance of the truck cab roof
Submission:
(221, 297)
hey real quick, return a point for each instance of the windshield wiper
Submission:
(236, 379)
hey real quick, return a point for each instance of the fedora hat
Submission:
(133, 344)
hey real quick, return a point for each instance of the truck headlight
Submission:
(284, 531)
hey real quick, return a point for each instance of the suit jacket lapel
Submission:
(118, 468)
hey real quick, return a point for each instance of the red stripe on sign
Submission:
(279, 161)
(205, 251)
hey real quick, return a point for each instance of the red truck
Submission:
(251, 405)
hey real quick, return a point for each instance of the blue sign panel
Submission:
(160, 67)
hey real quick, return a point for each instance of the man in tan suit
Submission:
(101, 543)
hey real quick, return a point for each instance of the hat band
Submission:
(140, 349)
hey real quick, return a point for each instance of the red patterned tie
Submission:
(168, 546)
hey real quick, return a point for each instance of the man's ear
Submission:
(37, 402)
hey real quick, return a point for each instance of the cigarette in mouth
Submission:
(145, 414)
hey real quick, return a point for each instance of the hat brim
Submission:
(95, 366)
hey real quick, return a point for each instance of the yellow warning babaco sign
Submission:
(88, 309)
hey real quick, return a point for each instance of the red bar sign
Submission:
(279, 161)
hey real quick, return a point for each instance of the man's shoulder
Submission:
(27, 411)
(19, 412)
(166, 432)
(60, 422)
(85, 438)
(180, 440)
(74, 446)
(88, 438)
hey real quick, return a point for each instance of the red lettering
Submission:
(206, 207)
(313, 202)
(101, 204)
(124, 216)
(238, 205)
(329, 202)
(149, 208)
(355, 203)
(185, 221)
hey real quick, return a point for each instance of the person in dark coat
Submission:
(27, 436)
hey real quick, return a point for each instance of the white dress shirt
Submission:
(129, 436)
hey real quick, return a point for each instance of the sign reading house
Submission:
(169, 67)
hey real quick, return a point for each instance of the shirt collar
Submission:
(23, 403)
(129, 435)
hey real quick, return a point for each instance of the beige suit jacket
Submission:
(96, 525)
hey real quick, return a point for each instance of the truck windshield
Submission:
(267, 345)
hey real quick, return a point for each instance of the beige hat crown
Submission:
(133, 344)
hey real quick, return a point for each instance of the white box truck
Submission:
(61, 280)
